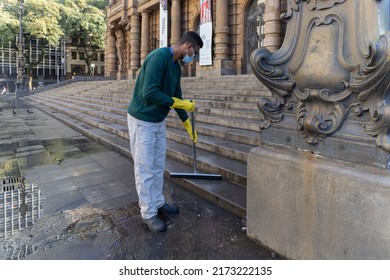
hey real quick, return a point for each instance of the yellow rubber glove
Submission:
(187, 105)
(188, 126)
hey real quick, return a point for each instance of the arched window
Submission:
(254, 28)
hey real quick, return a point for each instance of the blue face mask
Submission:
(188, 59)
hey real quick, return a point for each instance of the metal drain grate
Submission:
(20, 205)
(13, 183)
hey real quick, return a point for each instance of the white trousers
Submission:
(148, 148)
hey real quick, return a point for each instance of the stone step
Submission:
(227, 122)
(123, 101)
(227, 81)
(249, 86)
(234, 83)
(223, 193)
(219, 163)
(225, 91)
(231, 170)
(236, 113)
(91, 86)
(225, 125)
(118, 124)
(73, 88)
(236, 135)
(218, 117)
(126, 97)
(91, 110)
(231, 79)
(220, 146)
(250, 115)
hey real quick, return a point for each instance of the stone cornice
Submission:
(148, 5)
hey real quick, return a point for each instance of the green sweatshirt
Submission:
(157, 82)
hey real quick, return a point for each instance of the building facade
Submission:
(76, 65)
(50, 68)
(238, 27)
(59, 62)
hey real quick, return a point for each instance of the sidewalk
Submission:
(87, 204)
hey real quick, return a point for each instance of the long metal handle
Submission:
(193, 142)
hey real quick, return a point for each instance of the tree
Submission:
(85, 22)
(9, 22)
(41, 20)
(51, 20)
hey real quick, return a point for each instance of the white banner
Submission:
(163, 23)
(206, 33)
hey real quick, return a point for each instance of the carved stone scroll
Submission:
(332, 69)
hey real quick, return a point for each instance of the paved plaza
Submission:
(84, 204)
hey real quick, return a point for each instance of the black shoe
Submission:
(169, 209)
(155, 224)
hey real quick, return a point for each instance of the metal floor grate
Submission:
(12, 183)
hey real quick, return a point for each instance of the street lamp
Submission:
(59, 67)
(93, 69)
(63, 66)
(58, 73)
(21, 78)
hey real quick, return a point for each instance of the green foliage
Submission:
(85, 22)
(100, 4)
(40, 20)
(51, 20)
(9, 24)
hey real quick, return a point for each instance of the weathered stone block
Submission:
(305, 206)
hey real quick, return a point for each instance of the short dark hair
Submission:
(192, 38)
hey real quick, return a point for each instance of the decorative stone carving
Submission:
(124, 21)
(332, 68)
(322, 4)
(120, 44)
(128, 42)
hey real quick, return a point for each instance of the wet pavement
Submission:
(78, 201)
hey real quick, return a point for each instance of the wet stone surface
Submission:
(84, 233)
(81, 201)
(201, 231)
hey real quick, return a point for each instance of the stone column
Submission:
(272, 25)
(145, 35)
(222, 65)
(110, 54)
(135, 41)
(222, 30)
(175, 22)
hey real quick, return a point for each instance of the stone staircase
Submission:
(227, 123)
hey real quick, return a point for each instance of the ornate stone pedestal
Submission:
(319, 187)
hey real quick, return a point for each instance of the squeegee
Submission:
(195, 175)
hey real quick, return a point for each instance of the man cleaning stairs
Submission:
(157, 90)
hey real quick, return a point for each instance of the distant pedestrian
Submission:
(5, 90)
(157, 90)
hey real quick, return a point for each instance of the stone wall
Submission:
(229, 40)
